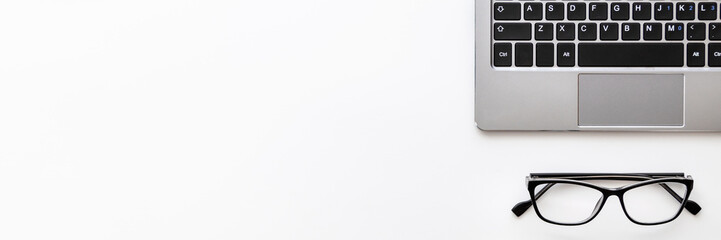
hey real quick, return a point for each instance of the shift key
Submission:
(512, 31)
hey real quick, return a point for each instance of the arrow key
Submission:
(507, 11)
(512, 31)
(714, 31)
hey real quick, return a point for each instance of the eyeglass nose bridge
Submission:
(606, 194)
(604, 199)
(618, 192)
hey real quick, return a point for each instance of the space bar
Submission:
(630, 55)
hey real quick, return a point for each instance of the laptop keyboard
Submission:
(606, 34)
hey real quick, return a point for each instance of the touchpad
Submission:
(616, 100)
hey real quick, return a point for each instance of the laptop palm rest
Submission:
(633, 100)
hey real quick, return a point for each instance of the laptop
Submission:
(598, 65)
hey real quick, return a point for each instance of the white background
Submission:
(316, 119)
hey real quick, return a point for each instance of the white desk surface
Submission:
(317, 119)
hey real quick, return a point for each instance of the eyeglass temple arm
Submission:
(521, 207)
(691, 206)
(607, 175)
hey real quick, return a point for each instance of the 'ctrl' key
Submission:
(502, 54)
(714, 55)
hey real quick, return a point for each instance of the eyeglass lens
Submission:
(654, 203)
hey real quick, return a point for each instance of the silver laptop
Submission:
(598, 65)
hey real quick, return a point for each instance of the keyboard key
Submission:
(642, 11)
(696, 55)
(674, 31)
(685, 11)
(663, 11)
(554, 11)
(533, 11)
(502, 54)
(609, 31)
(696, 31)
(566, 31)
(587, 31)
(598, 11)
(524, 55)
(714, 31)
(631, 55)
(507, 11)
(544, 31)
(512, 31)
(714, 55)
(630, 31)
(707, 11)
(619, 11)
(566, 55)
(544, 54)
(652, 31)
(577, 11)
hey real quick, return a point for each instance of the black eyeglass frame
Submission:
(550, 179)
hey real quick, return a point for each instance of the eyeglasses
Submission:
(570, 199)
